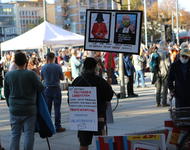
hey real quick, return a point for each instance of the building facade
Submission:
(7, 22)
(72, 14)
(27, 15)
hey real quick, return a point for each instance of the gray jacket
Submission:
(165, 62)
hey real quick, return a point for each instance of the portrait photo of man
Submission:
(125, 31)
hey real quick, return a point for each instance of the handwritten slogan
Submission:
(83, 108)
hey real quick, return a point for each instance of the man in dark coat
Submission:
(104, 95)
(179, 79)
(129, 72)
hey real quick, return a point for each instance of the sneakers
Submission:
(60, 130)
(133, 95)
(165, 105)
(2, 98)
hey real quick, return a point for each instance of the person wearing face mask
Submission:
(162, 75)
(179, 81)
(126, 26)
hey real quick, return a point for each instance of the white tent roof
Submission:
(43, 35)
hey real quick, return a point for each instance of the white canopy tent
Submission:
(43, 35)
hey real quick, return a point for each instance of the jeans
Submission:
(53, 95)
(17, 124)
(139, 75)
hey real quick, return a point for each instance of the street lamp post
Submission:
(173, 27)
(145, 24)
(121, 65)
(121, 68)
(44, 10)
(177, 22)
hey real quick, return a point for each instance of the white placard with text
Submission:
(83, 108)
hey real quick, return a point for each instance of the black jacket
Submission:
(179, 83)
(104, 90)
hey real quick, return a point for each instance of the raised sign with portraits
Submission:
(113, 30)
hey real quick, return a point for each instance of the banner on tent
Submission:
(113, 30)
(83, 108)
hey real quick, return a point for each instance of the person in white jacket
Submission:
(139, 61)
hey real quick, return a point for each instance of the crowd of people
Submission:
(88, 68)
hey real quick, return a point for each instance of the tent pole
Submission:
(44, 10)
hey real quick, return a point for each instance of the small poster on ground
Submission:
(113, 30)
(131, 142)
(83, 108)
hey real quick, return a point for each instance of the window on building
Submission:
(83, 2)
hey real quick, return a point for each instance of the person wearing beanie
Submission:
(90, 78)
(179, 81)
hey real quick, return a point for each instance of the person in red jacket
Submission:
(99, 29)
(109, 61)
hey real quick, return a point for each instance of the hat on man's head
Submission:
(184, 45)
(185, 52)
(89, 63)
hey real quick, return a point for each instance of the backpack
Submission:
(154, 62)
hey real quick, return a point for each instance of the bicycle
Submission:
(181, 119)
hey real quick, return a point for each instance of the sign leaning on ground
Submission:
(113, 30)
(83, 108)
(131, 142)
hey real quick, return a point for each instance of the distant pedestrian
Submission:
(139, 61)
(52, 73)
(104, 95)
(1, 80)
(75, 64)
(20, 89)
(109, 61)
(162, 75)
(129, 72)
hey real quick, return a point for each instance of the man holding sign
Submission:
(104, 94)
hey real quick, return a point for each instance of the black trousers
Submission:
(130, 81)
